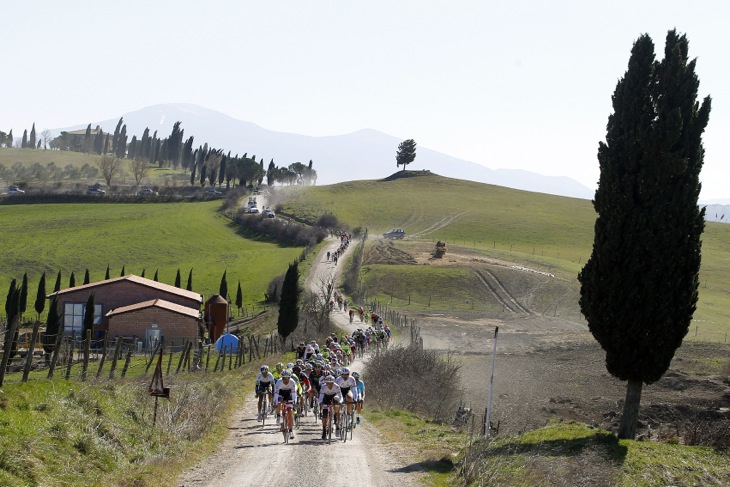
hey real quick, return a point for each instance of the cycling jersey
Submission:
(264, 382)
(327, 394)
(287, 392)
(346, 386)
(360, 389)
(314, 379)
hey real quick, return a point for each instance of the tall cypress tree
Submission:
(53, 324)
(72, 280)
(106, 276)
(223, 289)
(87, 278)
(177, 279)
(24, 140)
(639, 288)
(143, 271)
(32, 140)
(289, 302)
(57, 286)
(189, 287)
(89, 315)
(23, 302)
(123, 271)
(239, 298)
(40, 300)
(156, 278)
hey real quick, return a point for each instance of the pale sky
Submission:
(507, 84)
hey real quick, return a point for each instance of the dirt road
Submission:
(256, 456)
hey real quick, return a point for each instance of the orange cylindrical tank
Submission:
(216, 316)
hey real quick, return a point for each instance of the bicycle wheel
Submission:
(344, 417)
(264, 409)
(315, 410)
(351, 417)
(330, 414)
(298, 416)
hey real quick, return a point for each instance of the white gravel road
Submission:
(253, 455)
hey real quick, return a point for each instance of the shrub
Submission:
(396, 376)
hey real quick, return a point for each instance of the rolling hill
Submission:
(365, 154)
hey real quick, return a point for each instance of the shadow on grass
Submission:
(605, 443)
(430, 466)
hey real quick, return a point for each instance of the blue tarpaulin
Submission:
(227, 343)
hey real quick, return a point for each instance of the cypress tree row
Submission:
(639, 288)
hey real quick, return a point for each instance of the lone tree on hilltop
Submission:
(406, 153)
(289, 302)
(639, 288)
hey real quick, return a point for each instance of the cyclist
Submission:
(360, 394)
(301, 349)
(286, 392)
(278, 370)
(315, 379)
(348, 386)
(329, 395)
(264, 385)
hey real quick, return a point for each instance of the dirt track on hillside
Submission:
(550, 368)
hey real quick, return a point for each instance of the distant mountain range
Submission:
(365, 154)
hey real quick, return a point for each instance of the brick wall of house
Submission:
(174, 326)
(121, 293)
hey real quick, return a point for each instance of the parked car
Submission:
(398, 233)
(253, 209)
(95, 190)
(15, 190)
(269, 213)
(146, 192)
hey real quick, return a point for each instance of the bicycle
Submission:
(264, 410)
(330, 419)
(315, 410)
(286, 426)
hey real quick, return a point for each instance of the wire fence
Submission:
(29, 353)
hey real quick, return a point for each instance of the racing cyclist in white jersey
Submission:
(286, 392)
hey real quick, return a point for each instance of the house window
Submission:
(73, 317)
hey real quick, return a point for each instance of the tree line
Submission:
(206, 165)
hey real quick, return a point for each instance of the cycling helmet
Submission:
(356, 374)
(286, 374)
(345, 371)
(290, 365)
(279, 366)
(317, 365)
(264, 369)
(308, 367)
(329, 378)
(300, 361)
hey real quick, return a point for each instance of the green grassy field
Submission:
(164, 237)
(155, 177)
(543, 232)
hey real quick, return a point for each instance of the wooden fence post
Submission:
(117, 352)
(126, 363)
(9, 334)
(169, 360)
(71, 355)
(182, 355)
(87, 353)
(31, 349)
(56, 350)
(105, 346)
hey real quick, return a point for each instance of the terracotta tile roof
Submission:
(156, 303)
(138, 280)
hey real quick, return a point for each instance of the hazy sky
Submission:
(508, 84)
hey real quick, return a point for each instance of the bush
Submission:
(396, 381)
(281, 230)
(328, 220)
